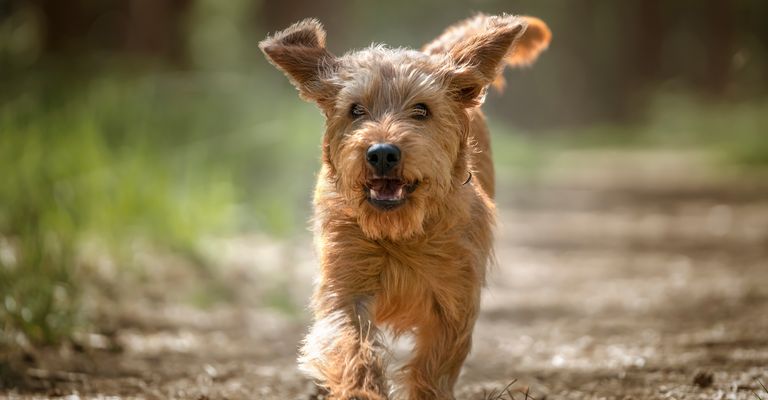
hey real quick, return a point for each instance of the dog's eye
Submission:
(357, 111)
(420, 111)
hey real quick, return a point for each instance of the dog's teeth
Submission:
(387, 191)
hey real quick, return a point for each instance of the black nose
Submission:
(383, 157)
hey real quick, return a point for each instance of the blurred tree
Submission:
(644, 28)
(146, 28)
(156, 28)
(718, 29)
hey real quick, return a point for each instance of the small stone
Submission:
(703, 379)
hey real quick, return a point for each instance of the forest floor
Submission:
(629, 275)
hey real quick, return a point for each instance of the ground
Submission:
(620, 275)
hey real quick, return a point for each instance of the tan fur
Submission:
(417, 269)
(533, 39)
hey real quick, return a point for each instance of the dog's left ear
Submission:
(530, 43)
(482, 45)
(299, 51)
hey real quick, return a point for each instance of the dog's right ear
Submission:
(299, 51)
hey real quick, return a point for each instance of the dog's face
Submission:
(396, 138)
(396, 142)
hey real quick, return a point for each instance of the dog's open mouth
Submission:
(389, 193)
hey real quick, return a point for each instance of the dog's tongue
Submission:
(386, 189)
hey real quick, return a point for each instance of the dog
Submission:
(403, 206)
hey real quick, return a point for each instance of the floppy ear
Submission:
(299, 51)
(482, 45)
(530, 44)
(480, 58)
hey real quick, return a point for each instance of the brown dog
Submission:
(403, 209)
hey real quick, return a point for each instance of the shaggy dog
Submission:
(403, 202)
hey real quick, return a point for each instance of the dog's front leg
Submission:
(342, 350)
(441, 345)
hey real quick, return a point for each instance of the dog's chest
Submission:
(430, 280)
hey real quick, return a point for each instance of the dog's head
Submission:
(396, 145)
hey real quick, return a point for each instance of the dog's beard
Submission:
(404, 222)
(391, 209)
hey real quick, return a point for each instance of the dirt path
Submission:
(620, 276)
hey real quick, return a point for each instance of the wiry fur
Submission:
(532, 40)
(418, 268)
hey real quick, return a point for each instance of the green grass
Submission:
(168, 160)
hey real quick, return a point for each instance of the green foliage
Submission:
(165, 161)
(735, 133)
(40, 296)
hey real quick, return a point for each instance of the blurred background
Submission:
(156, 174)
